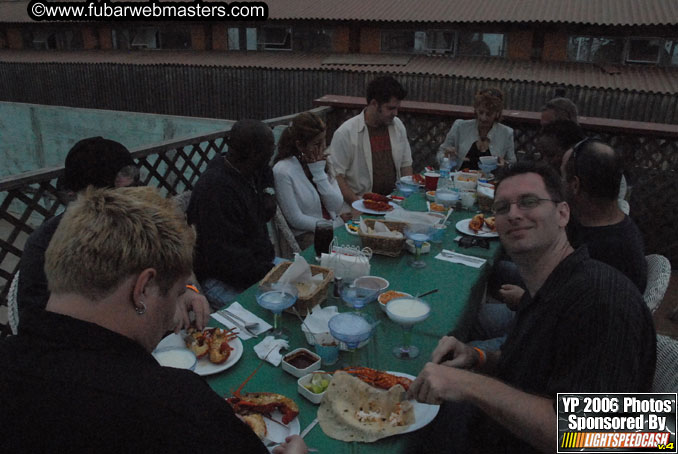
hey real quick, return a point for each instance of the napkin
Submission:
(244, 314)
(269, 349)
(455, 257)
(299, 274)
(379, 229)
(413, 217)
(316, 321)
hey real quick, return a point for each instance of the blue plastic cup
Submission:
(438, 232)
(329, 354)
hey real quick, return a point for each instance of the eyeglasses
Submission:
(525, 202)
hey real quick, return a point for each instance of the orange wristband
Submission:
(193, 287)
(481, 356)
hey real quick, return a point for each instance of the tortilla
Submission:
(348, 399)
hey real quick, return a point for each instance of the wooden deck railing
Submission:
(650, 150)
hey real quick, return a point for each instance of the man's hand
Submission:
(293, 444)
(511, 295)
(195, 302)
(437, 383)
(451, 352)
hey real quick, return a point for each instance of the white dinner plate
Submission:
(485, 232)
(408, 180)
(423, 413)
(276, 432)
(360, 206)
(204, 366)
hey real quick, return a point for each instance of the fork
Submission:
(248, 325)
(232, 320)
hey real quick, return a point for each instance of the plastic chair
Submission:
(284, 243)
(658, 275)
(665, 376)
(12, 307)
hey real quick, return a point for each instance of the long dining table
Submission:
(453, 308)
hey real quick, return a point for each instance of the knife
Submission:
(308, 428)
(242, 327)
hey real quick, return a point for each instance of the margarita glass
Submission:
(406, 312)
(276, 298)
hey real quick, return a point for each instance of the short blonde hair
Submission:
(108, 235)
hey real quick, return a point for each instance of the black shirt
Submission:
(32, 292)
(71, 386)
(620, 246)
(230, 213)
(586, 330)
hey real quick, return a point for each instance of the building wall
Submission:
(198, 41)
(89, 38)
(219, 37)
(370, 40)
(14, 38)
(233, 93)
(105, 38)
(520, 45)
(555, 46)
(341, 39)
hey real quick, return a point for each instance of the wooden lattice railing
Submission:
(651, 153)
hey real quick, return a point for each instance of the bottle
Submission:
(445, 167)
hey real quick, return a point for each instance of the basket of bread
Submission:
(383, 237)
(310, 293)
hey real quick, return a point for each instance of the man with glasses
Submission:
(585, 328)
(592, 171)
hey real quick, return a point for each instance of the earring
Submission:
(140, 310)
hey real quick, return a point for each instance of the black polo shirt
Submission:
(586, 330)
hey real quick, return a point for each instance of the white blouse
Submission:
(298, 199)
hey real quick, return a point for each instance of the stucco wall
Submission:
(35, 136)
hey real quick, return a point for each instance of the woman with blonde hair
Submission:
(305, 189)
(468, 140)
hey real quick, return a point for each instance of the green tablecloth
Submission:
(454, 307)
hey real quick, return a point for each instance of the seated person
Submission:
(116, 267)
(504, 401)
(101, 163)
(555, 138)
(558, 109)
(230, 206)
(305, 190)
(370, 151)
(468, 140)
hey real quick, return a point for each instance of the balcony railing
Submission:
(650, 151)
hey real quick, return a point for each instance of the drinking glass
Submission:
(418, 233)
(358, 296)
(276, 298)
(406, 312)
(324, 234)
(405, 189)
(350, 328)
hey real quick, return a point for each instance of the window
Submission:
(482, 44)
(274, 38)
(669, 56)
(644, 50)
(174, 38)
(144, 38)
(312, 39)
(595, 49)
(233, 38)
(47, 38)
(428, 41)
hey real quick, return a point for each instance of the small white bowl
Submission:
(431, 196)
(310, 395)
(177, 357)
(287, 367)
(374, 282)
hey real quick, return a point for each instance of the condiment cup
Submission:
(310, 395)
(297, 372)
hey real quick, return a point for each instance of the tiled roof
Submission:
(651, 79)
(595, 12)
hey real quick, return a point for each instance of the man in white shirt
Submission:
(370, 151)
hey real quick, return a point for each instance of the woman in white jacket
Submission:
(305, 190)
(468, 140)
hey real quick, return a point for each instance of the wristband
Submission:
(481, 357)
(193, 287)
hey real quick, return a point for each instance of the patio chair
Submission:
(658, 275)
(12, 307)
(665, 376)
(284, 243)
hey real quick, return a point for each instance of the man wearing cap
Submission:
(101, 163)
